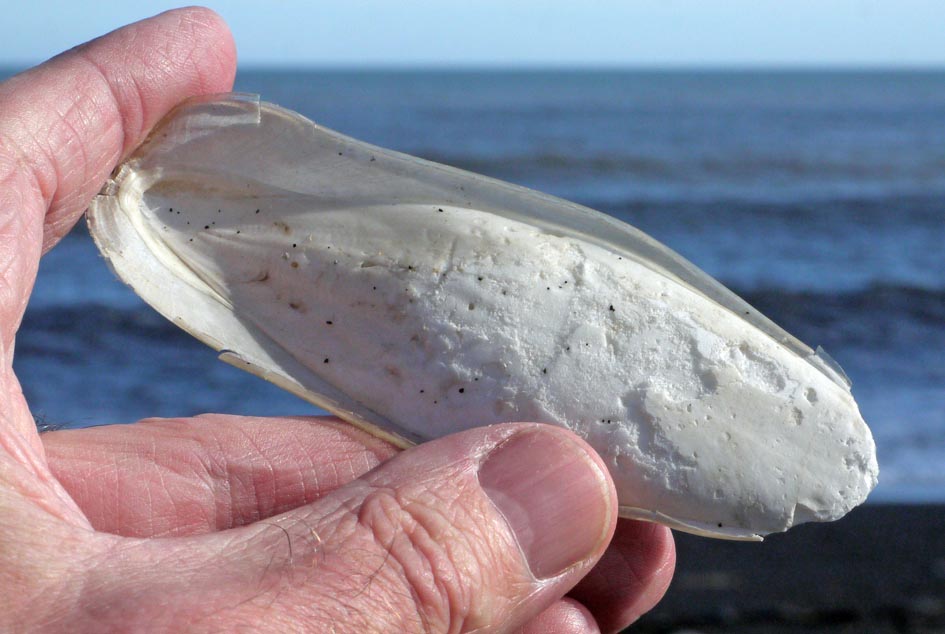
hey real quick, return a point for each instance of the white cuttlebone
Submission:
(416, 300)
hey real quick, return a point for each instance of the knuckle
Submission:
(438, 567)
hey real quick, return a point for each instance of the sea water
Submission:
(817, 196)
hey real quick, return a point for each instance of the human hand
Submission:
(228, 523)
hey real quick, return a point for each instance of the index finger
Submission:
(65, 124)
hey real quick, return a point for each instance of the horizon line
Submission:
(539, 67)
(495, 67)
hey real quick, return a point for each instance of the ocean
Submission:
(817, 196)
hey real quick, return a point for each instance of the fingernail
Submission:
(553, 495)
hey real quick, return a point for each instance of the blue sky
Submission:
(524, 32)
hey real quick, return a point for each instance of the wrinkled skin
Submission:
(224, 523)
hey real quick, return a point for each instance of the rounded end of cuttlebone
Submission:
(827, 478)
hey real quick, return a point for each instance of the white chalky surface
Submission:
(444, 320)
(321, 263)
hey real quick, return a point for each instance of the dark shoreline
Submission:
(880, 569)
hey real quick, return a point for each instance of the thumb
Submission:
(475, 532)
(479, 531)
